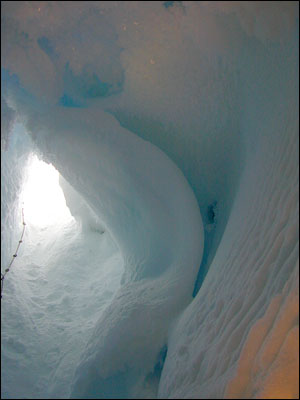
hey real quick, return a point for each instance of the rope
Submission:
(14, 255)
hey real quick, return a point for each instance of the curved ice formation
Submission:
(151, 213)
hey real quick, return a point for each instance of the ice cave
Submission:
(149, 199)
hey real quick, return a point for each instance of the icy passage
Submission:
(153, 147)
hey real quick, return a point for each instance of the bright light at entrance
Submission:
(44, 201)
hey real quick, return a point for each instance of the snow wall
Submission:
(152, 111)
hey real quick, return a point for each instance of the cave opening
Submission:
(42, 197)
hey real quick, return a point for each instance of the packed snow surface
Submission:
(153, 147)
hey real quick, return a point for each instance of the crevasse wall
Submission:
(242, 342)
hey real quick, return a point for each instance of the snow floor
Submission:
(58, 286)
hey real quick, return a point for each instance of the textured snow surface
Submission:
(249, 328)
(150, 112)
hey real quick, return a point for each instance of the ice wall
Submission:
(112, 93)
(243, 343)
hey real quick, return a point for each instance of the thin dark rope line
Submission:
(14, 255)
